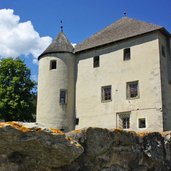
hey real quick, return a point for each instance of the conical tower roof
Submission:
(60, 44)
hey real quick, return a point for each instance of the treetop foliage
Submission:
(16, 91)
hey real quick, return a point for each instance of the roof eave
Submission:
(50, 53)
(90, 48)
(164, 31)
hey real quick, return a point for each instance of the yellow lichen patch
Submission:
(69, 139)
(78, 145)
(19, 126)
(2, 124)
(118, 130)
(15, 125)
(142, 134)
(77, 130)
(163, 134)
(56, 131)
(37, 129)
(72, 141)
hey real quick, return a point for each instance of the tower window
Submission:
(53, 64)
(127, 54)
(106, 93)
(63, 94)
(96, 62)
(142, 123)
(132, 90)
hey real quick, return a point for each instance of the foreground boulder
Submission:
(118, 150)
(91, 149)
(29, 149)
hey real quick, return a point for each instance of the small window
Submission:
(62, 99)
(52, 64)
(106, 93)
(132, 90)
(163, 51)
(127, 54)
(77, 121)
(96, 62)
(142, 123)
(124, 120)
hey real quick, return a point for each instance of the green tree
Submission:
(16, 91)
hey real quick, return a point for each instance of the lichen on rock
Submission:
(25, 148)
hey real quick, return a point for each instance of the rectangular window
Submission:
(125, 123)
(124, 120)
(127, 54)
(52, 64)
(163, 51)
(132, 90)
(106, 93)
(142, 123)
(77, 121)
(96, 62)
(62, 99)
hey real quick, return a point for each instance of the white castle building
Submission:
(118, 78)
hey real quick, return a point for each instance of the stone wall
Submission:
(90, 149)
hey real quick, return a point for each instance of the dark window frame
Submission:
(106, 93)
(126, 122)
(123, 120)
(77, 121)
(131, 92)
(127, 54)
(142, 123)
(63, 96)
(96, 62)
(53, 64)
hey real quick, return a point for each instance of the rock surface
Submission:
(117, 150)
(91, 149)
(33, 149)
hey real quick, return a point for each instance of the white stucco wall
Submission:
(143, 66)
(165, 62)
(49, 111)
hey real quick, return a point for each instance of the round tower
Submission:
(56, 85)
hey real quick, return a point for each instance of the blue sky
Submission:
(81, 19)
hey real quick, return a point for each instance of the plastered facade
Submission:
(85, 108)
(165, 63)
(50, 112)
(144, 67)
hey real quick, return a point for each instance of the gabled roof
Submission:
(121, 29)
(60, 44)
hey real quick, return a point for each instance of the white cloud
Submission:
(19, 38)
